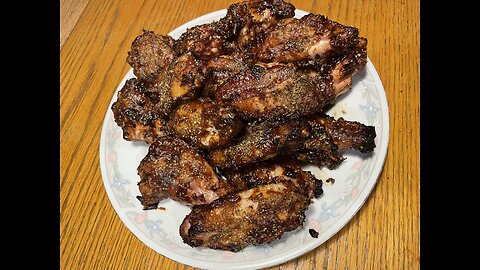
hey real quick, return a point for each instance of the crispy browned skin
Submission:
(274, 171)
(241, 25)
(255, 17)
(262, 141)
(346, 134)
(348, 65)
(222, 67)
(180, 81)
(269, 91)
(207, 40)
(150, 53)
(318, 139)
(252, 217)
(174, 169)
(330, 137)
(310, 37)
(273, 90)
(133, 112)
(205, 124)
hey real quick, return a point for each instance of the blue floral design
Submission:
(370, 111)
(154, 227)
(328, 211)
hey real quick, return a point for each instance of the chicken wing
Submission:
(310, 37)
(331, 137)
(176, 170)
(134, 112)
(252, 217)
(181, 80)
(271, 172)
(345, 134)
(150, 53)
(268, 91)
(205, 124)
(262, 141)
(222, 67)
(255, 17)
(318, 139)
(207, 40)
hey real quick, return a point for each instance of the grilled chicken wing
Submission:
(262, 141)
(150, 54)
(179, 81)
(252, 217)
(174, 169)
(330, 137)
(242, 23)
(222, 67)
(273, 171)
(318, 139)
(207, 40)
(310, 37)
(269, 91)
(204, 124)
(134, 113)
(345, 134)
(273, 90)
(255, 17)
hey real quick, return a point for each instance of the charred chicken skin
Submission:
(204, 124)
(262, 141)
(174, 169)
(180, 81)
(273, 171)
(273, 90)
(318, 139)
(310, 37)
(269, 91)
(276, 204)
(134, 113)
(255, 17)
(150, 54)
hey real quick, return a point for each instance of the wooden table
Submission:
(94, 39)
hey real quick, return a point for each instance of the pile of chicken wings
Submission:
(231, 111)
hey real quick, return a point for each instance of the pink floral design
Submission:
(314, 223)
(112, 156)
(354, 192)
(172, 246)
(141, 218)
(227, 254)
(357, 165)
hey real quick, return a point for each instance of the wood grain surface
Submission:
(383, 235)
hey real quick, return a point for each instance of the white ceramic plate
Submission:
(354, 180)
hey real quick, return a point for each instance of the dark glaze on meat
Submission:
(274, 171)
(274, 90)
(269, 91)
(255, 17)
(318, 139)
(176, 170)
(345, 134)
(205, 124)
(310, 37)
(243, 22)
(207, 40)
(330, 137)
(134, 113)
(252, 217)
(180, 81)
(262, 141)
(150, 53)
(222, 67)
